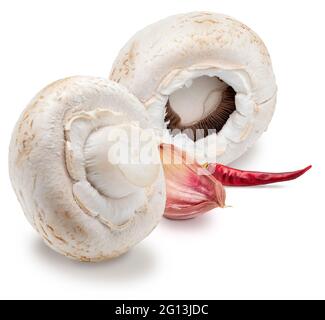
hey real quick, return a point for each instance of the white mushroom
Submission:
(205, 71)
(84, 204)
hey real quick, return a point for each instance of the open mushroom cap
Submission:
(85, 200)
(201, 71)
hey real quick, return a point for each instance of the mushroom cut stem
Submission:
(116, 161)
(203, 93)
(201, 107)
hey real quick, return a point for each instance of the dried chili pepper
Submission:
(234, 177)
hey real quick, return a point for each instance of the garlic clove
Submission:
(191, 190)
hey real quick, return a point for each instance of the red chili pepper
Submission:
(234, 177)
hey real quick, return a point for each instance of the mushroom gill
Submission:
(220, 103)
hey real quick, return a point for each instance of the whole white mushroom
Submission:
(201, 70)
(85, 206)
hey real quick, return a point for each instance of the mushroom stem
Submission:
(201, 95)
(114, 161)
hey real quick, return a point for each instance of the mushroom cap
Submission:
(169, 54)
(48, 189)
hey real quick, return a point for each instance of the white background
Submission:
(270, 244)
